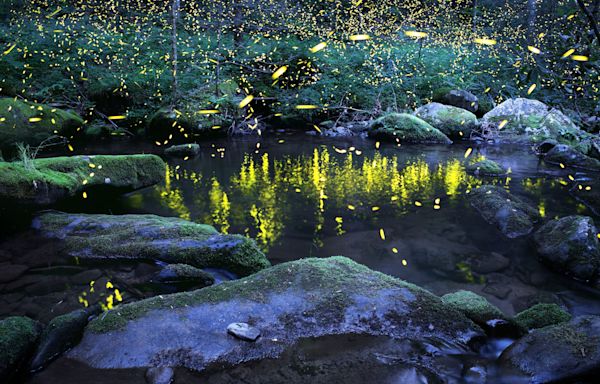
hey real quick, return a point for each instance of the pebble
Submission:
(243, 331)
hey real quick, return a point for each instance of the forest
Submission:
(299, 191)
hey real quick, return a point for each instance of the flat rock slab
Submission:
(151, 237)
(511, 215)
(46, 181)
(288, 302)
(559, 353)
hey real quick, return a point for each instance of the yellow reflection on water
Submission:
(266, 196)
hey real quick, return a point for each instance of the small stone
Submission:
(159, 375)
(243, 331)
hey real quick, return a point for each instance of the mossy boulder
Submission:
(150, 237)
(570, 245)
(532, 121)
(31, 123)
(563, 353)
(18, 336)
(291, 301)
(405, 128)
(183, 150)
(486, 168)
(454, 122)
(62, 333)
(569, 157)
(184, 274)
(475, 307)
(541, 315)
(510, 214)
(45, 181)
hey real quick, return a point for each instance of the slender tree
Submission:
(175, 12)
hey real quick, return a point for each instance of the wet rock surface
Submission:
(511, 215)
(570, 245)
(405, 128)
(150, 237)
(569, 157)
(559, 353)
(183, 150)
(294, 300)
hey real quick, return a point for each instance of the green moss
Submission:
(183, 150)
(578, 341)
(17, 336)
(326, 275)
(405, 128)
(542, 315)
(475, 307)
(59, 177)
(17, 124)
(486, 168)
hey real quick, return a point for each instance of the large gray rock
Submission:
(151, 237)
(461, 99)
(286, 303)
(570, 245)
(511, 215)
(18, 336)
(456, 123)
(569, 157)
(561, 353)
(531, 121)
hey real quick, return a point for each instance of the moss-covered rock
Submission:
(511, 215)
(475, 307)
(31, 123)
(454, 122)
(563, 353)
(18, 336)
(405, 128)
(486, 168)
(530, 120)
(541, 315)
(45, 181)
(291, 301)
(570, 245)
(151, 237)
(569, 157)
(62, 333)
(184, 273)
(183, 150)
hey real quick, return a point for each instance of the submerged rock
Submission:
(184, 273)
(62, 333)
(541, 315)
(454, 122)
(18, 336)
(559, 353)
(243, 331)
(570, 245)
(31, 123)
(182, 150)
(151, 237)
(461, 99)
(588, 194)
(511, 215)
(46, 181)
(159, 375)
(475, 307)
(486, 168)
(288, 302)
(566, 155)
(530, 120)
(405, 128)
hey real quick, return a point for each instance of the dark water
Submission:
(302, 196)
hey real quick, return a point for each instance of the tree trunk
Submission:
(175, 9)
(591, 17)
(474, 15)
(531, 20)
